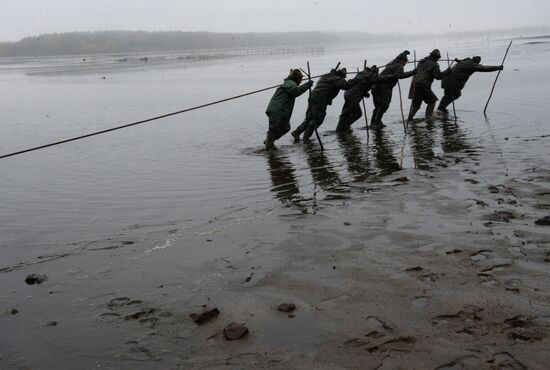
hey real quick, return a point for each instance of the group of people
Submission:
(281, 105)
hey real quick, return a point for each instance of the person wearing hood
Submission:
(281, 106)
(327, 88)
(388, 78)
(456, 80)
(421, 86)
(351, 111)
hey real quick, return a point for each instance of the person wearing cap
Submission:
(281, 106)
(460, 73)
(351, 111)
(388, 78)
(327, 88)
(421, 85)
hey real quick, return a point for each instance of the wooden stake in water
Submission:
(450, 64)
(316, 133)
(496, 79)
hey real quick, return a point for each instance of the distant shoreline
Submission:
(125, 42)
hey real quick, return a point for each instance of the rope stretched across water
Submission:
(139, 122)
(146, 120)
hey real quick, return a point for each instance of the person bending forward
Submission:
(281, 106)
(460, 73)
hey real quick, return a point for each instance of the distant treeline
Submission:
(75, 43)
(100, 42)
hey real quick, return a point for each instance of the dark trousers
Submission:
(423, 93)
(278, 126)
(351, 112)
(451, 94)
(315, 115)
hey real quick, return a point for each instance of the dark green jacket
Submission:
(362, 83)
(462, 71)
(282, 102)
(388, 78)
(328, 87)
(426, 71)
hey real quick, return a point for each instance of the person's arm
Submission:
(294, 90)
(482, 68)
(342, 84)
(438, 75)
(407, 74)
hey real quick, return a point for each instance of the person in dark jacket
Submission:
(388, 78)
(421, 86)
(281, 105)
(351, 111)
(327, 88)
(460, 73)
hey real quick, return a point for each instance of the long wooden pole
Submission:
(496, 79)
(450, 64)
(365, 109)
(401, 106)
(316, 133)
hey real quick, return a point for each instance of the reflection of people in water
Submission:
(422, 145)
(285, 185)
(322, 171)
(357, 158)
(385, 160)
(453, 137)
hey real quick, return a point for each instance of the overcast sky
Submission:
(20, 18)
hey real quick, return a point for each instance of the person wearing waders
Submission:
(327, 88)
(281, 105)
(421, 86)
(460, 73)
(388, 78)
(351, 111)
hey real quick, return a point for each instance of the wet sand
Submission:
(407, 251)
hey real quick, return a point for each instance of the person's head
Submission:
(342, 72)
(435, 54)
(296, 76)
(476, 59)
(402, 58)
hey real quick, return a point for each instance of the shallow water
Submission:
(126, 212)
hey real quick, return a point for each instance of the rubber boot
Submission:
(296, 133)
(412, 112)
(379, 116)
(308, 132)
(373, 119)
(430, 110)
(442, 107)
(269, 142)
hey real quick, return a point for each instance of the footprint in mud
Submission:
(495, 268)
(480, 255)
(513, 285)
(523, 329)
(400, 344)
(420, 302)
(462, 363)
(126, 309)
(110, 245)
(421, 274)
(506, 361)
(488, 281)
(136, 352)
(376, 328)
(500, 216)
(466, 321)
